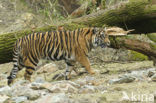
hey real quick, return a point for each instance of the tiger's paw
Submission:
(10, 81)
(91, 72)
(58, 76)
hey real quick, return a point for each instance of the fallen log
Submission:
(136, 14)
(145, 48)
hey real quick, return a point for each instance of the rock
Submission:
(25, 91)
(113, 81)
(39, 80)
(3, 76)
(47, 68)
(153, 78)
(151, 72)
(59, 87)
(19, 99)
(86, 100)
(36, 86)
(87, 80)
(155, 96)
(56, 98)
(5, 90)
(32, 95)
(122, 79)
(126, 79)
(29, 93)
(3, 98)
(87, 89)
(20, 83)
(139, 75)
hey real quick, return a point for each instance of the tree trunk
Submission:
(133, 15)
(136, 14)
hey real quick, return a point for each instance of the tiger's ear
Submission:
(116, 31)
(60, 28)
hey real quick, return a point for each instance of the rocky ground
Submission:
(118, 82)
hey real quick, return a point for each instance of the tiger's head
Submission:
(101, 35)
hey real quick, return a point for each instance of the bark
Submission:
(132, 14)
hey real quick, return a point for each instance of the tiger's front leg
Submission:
(28, 73)
(30, 68)
(84, 61)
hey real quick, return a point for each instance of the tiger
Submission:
(70, 46)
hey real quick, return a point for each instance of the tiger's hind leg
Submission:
(18, 65)
(13, 73)
(69, 68)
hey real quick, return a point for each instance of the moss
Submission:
(137, 56)
(72, 26)
(153, 46)
(152, 36)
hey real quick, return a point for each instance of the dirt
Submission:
(104, 72)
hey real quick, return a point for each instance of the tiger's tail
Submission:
(16, 66)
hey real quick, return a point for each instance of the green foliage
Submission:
(137, 56)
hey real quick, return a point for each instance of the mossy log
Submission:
(133, 15)
(136, 14)
(148, 49)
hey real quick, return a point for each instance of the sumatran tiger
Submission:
(71, 46)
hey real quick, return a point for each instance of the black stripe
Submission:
(40, 41)
(30, 39)
(87, 32)
(73, 36)
(15, 65)
(29, 73)
(87, 45)
(29, 67)
(66, 39)
(36, 45)
(32, 61)
(61, 57)
(56, 52)
(26, 40)
(21, 64)
(70, 42)
(49, 45)
(50, 52)
(69, 64)
(46, 45)
(78, 37)
(34, 58)
(44, 50)
(56, 38)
